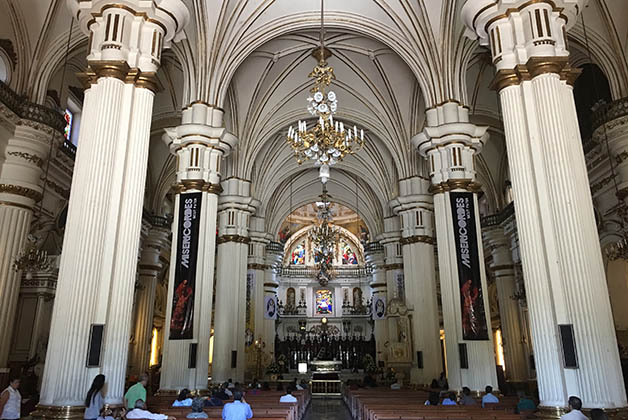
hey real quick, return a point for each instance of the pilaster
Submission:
(450, 142)
(235, 209)
(374, 254)
(415, 208)
(511, 326)
(149, 271)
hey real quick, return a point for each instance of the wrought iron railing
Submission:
(498, 218)
(28, 110)
(609, 112)
(344, 272)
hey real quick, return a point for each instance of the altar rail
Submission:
(326, 387)
(342, 272)
(350, 351)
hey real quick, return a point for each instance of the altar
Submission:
(326, 377)
(325, 366)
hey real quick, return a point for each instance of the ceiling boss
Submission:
(328, 141)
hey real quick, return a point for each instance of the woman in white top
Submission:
(94, 401)
(11, 401)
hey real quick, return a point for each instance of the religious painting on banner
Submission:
(379, 309)
(474, 325)
(348, 256)
(270, 307)
(182, 315)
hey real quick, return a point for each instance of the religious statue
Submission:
(182, 312)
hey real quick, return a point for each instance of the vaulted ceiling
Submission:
(392, 59)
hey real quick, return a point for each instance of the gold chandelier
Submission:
(324, 238)
(328, 141)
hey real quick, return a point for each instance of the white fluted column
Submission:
(374, 253)
(199, 142)
(235, 209)
(149, 270)
(560, 251)
(274, 255)
(504, 271)
(257, 268)
(99, 258)
(20, 189)
(449, 142)
(415, 209)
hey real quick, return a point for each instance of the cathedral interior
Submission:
(225, 190)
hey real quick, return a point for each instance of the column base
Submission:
(550, 412)
(56, 412)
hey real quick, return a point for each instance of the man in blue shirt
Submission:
(489, 398)
(238, 409)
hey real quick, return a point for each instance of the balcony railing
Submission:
(498, 219)
(609, 112)
(28, 110)
(343, 272)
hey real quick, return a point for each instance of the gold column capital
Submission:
(455, 184)
(535, 66)
(118, 70)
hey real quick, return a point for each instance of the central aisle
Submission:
(327, 409)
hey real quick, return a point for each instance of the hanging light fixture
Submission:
(327, 141)
(324, 238)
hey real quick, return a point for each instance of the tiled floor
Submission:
(327, 409)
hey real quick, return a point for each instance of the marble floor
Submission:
(327, 409)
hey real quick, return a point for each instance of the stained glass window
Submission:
(324, 302)
(348, 256)
(298, 255)
(67, 131)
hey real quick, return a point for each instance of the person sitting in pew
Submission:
(397, 385)
(140, 412)
(449, 399)
(525, 403)
(288, 398)
(222, 394)
(303, 384)
(489, 398)
(265, 386)
(432, 399)
(575, 404)
(238, 409)
(215, 400)
(598, 414)
(296, 386)
(183, 400)
(226, 387)
(467, 399)
(197, 410)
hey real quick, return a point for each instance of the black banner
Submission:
(182, 316)
(471, 300)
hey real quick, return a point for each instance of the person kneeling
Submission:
(140, 412)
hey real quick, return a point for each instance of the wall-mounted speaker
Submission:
(464, 358)
(96, 335)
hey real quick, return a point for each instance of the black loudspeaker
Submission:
(96, 333)
(464, 358)
(419, 359)
(234, 359)
(192, 356)
(570, 355)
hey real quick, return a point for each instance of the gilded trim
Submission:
(274, 285)
(535, 66)
(455, 184)
(502, 267)
(397, 266)
(65, 412)
(417, 238)
(29, 157)
(197, 184)
(18, 190)
(232, 238)
(119, 70)
(256, 266)
(376, 285)
(9, 204)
